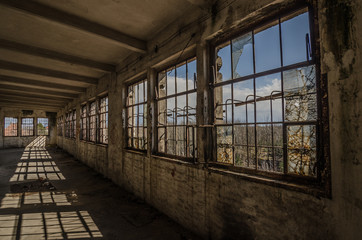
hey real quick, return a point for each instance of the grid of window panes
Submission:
(265, 98)
(176, 125)
(103, 120)
(74, 124)
(92, 121)
(60, 126)
(136, 109)
(10, 127)
(83, 123)
(27, 127)
(42, 126)
(67, 125)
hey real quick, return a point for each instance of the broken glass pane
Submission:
(267, 47)
(224, 144)
(223, 63)
(295, 30)
(300, 94)
(242, 56)
(301, 149)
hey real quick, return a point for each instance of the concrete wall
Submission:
(220, 204)
(20, 141)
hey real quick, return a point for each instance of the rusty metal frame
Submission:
(21, 127)
(134, 115)
(322, 181)
(174, 113)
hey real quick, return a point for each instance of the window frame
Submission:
(143, 80)
(99, 116)
(83, 118)
(90, 115)
(60, 126)
(17, 127)
(37, 130)
(174, 66)
(322, 180)
(21, 127)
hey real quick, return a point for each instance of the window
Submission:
(67, 124)
(10, 127)
(136, 110)
(27, 127)
(42, 126)
(176, 120)
(266, 100)
(73, 129)
(92, 121)
(60, 126)
(103, 120)
(83, 123)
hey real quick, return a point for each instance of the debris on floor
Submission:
(34, 186)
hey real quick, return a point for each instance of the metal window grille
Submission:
(136, 111)
(83, 122)
(176, 120)
(74, 124)
(27, 127)
(10, 127)
(60, 126)
(103, 120)
(42, 126)
(67, 125)
(92, 121)
(266, 99)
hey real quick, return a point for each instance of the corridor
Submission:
(47, 194)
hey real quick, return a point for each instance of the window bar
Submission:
(285, 151)
(255, 110)
(232, 106)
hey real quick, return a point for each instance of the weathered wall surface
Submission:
(21, 141)
(223, 205)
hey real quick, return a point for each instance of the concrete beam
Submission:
(64, 18)
(41, 52)
(34, 83)
(18, 101)
(41, 91)
(30, 99)
(31, 95)
(46, 72)
(28, 106)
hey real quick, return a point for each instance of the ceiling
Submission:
(51, 51)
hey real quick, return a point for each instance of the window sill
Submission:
(307, 189)
(175, 160)
(93, 143)
(139, 152)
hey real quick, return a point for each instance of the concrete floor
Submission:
(83, 205)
